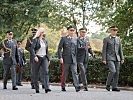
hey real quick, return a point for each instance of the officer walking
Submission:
(28, 48)
(68, 57)
(82, 55)
(113, 56)
(9, 47)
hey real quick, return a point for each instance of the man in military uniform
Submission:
(9, 47)
(83, 50)
(69, 57)
(113, 56)
(28, 48)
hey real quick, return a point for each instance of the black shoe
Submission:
(37, 91)
(116, 89)
(77, 89)
(19, 84)
(43, 87)
(108, 88)
(85, 89)
(32, 87)
(14, 88)
(47, 90)
(63, 89)
(4, 87)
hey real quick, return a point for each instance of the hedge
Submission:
(96, 71)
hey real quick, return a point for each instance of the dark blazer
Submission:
(36, 46)
(22, 59)
(10, 52)
(82, 53)
(112, 49)
(69, 47)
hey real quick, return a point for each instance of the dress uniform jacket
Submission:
(82, 53)
(10, 52)
(69, 46)
(112, 49)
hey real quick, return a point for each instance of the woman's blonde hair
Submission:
(39, 32)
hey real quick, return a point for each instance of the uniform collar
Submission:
(9, 39)
(112, 36)
(69, 37)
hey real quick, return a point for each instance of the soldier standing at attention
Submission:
(10, 60)
(113, 56)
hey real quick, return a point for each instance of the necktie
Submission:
(114, 42)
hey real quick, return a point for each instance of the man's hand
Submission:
(61, 60)
(122, 61)
(104, 62)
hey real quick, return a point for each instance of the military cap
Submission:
(71, 26)
(113, 28)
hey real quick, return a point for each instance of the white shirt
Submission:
(42, 51)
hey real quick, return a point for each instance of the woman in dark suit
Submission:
(39, 51)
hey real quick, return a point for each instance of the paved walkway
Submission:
(25, 93)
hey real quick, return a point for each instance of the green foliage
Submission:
(128, 45)
(20, 15)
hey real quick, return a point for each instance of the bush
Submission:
(96, 71)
